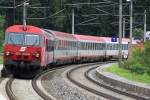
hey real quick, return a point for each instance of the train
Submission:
(28, 49)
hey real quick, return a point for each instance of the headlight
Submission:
(8, 53)
(37, 55)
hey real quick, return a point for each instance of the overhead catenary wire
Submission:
(96, 3)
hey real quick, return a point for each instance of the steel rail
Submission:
(87, 88)
(9, 91)
(86, 74)
(35, 85)
(37, 89)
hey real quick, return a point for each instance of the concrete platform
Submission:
(122, 83)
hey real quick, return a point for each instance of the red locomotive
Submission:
(28, 49)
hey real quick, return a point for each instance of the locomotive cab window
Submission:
(32, 39)
(23, 39)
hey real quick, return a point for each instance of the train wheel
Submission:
(5, 72)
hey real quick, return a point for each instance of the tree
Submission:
(138, 33)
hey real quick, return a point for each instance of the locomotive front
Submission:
(22, 50)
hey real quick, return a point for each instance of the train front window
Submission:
(23, 39)
(14, 38)
(32, 40)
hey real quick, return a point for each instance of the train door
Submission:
(50, 51)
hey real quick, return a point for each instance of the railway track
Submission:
(9, 89)
(105, 91)
(18, 89)
(103, 84)
(39, 90)
(77, 75)
(35, 86)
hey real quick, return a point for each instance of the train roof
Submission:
(109, 40)
(37, 30)
(89, 38)
(62, 34)
(29, 29)
(124, 40)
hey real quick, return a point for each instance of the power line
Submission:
(56, 13)
(103, 11)
(96, 3)
(48, 16)
(22, 3)
(87, 21)
(87, 24)
(6, 7)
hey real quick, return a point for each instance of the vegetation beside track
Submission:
(2, 20)
(1, 59)
(144, 78)
(137, 66)
(139, 61)
(1, 48)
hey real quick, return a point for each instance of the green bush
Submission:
(1, 49)
(139, 61)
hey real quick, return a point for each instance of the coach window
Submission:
(83, 45)
(122, 46)
(95, 46)
(107, 46)
(99, 46)
(126, 46)
(112, 47)
(59, 45)
(62, 45)
(65, 45)
(69, 46)
(74, 45)
(91, 46)
(86, 46)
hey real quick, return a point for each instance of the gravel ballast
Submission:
(55, 84)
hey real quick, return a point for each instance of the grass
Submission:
(143, 78)
(1, 48)
(1, 59)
